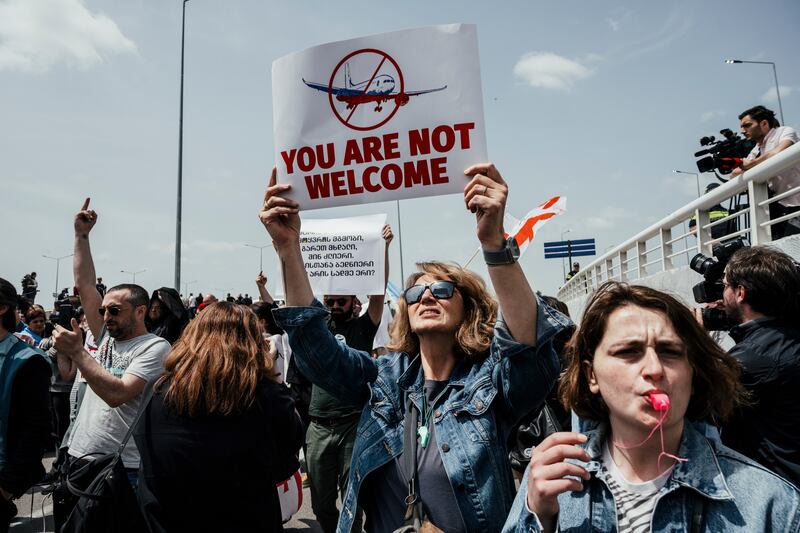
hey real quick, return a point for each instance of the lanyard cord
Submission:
(427, 410)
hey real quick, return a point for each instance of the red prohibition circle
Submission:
(333, 76)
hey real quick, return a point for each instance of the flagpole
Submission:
(473, 257)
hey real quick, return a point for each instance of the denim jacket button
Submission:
(478, 405)
(445, 447)
(437, 414)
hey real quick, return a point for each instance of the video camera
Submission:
(711, 288)
(723, 155)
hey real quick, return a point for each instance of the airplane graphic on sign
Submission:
(384, 86)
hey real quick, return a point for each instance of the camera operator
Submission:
(761, 296)
(760, 125)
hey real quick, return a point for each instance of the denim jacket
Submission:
(738, 495)
(487, 398)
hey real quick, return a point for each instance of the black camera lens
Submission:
(701, 263)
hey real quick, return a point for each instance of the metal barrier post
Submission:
(759, 193)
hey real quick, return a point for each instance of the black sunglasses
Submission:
(113, 310)
(441, 290)
(330, 302)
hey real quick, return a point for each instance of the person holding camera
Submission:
(760, 125)
(761, 296)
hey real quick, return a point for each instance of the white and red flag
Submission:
(525, 230)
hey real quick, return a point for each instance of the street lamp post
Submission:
(133, 273)
(774, 74)
(563, 270)
(696, 177)
(58, 265)
(180, 164)
(260, 255)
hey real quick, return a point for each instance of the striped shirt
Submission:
(634, 501)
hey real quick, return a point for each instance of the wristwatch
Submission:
(507, 255)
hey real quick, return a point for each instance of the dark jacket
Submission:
(768, 431)
(215, 473)
(28, 426)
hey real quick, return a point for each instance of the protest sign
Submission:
(343, 255)
(385, 117)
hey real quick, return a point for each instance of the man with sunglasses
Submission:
(332, 429)
(127, 358)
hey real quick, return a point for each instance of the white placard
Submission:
(342, 255)
(385, 117)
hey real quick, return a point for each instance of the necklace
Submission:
(422, 428)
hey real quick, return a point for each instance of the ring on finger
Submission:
(485, 189)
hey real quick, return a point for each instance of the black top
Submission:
(28, 427)
(214, 473)
(386, 489)
(358, 333)
(769, 431)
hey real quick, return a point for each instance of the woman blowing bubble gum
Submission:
(639, 365)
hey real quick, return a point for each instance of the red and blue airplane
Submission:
(380, 90)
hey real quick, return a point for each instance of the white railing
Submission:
(668, 243)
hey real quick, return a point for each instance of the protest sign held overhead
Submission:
(343, 255)
(385, 117)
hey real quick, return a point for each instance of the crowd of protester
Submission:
(460, 423)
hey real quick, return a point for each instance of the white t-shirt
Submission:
(789, 178)
(100, 428)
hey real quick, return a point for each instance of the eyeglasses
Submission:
(113, 310)
(441, 290)
(341, 302)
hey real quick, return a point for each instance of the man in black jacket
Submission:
(761, 295)
(24, 409)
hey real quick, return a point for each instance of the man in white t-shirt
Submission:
(760, 125)
(127, 358)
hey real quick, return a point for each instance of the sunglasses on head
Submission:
(113, 310)
(441, 290)
(341, 302)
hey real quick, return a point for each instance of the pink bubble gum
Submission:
(660, 401)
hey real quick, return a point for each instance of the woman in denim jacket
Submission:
(642, 367)
(465, 375)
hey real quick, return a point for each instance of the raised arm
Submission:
(83, 269)
(263, 293)
(281, 218)
(375, 308)
(485, 195)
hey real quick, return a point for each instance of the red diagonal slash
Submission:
(366, 87)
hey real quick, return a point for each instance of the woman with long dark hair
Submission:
(220, 431)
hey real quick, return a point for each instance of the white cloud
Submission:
(610, 217)
(35, 35)
(771, 96)
(711, 115)
(613, 23)
(550, 71)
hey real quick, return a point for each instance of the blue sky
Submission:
(596, 101)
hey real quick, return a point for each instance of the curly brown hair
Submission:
(217, 363)
(716, 387)
(474, 337)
